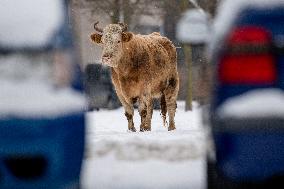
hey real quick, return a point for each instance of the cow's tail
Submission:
(164, 110)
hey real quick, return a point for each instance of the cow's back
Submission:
(167, 45)
(155, 43)
(148, 60)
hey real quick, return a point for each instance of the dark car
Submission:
(42, 125)
(99, 89)
(246, 114)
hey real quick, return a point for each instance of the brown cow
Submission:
(143, 67)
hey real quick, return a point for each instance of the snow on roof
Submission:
(29, 23)
(256, 103)
(193, 27)
(227, 12)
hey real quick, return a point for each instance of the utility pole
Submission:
(121, 11)
(188, 60)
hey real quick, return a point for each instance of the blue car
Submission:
(42, 124)
(246, 113)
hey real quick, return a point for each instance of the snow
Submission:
(27, 90)
(109, 172)
(227, 12)
(256, 103)
(193, 27)
(117, 158)
(35, 99)
(29, 23)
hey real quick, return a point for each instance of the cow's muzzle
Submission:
(108, 60)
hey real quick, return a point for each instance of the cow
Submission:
(143, 68)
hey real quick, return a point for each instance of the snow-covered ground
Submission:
(117, 158)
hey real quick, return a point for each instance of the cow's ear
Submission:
(126, 36)
(96, 38)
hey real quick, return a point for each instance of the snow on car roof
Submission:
(29, 23)
(256, 103)
(228, 10)
(38, 100)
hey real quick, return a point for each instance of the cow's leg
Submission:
(149, 107)
(171, 93)
(128, 106)
(146, 112)
(129, 112)
(143, 113)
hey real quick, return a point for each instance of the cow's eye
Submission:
(118, 41)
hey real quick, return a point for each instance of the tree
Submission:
(119, 10)
(209, 6)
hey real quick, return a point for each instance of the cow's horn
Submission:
(123, 26)
(97, 28)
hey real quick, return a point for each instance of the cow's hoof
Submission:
(132, 129)
(145, 129)
(171, 128)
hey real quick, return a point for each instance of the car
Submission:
(246, 117)
(42, 124)
(99, 89)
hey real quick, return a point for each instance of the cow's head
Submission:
(111, 38)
